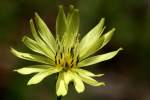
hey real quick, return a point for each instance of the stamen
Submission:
(77, 60)
(67, 57)
(59, 61)
(56, 55)
(71, 51)
(56, 58)
(71, 66)
(55, 61)
(67, 65)
(72, 61)
(61, 55)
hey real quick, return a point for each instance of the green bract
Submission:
(65, 55)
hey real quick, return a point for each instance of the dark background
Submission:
(127, 76)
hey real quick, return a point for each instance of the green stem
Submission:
(59, 97)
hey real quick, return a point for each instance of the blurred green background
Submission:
(127, 76)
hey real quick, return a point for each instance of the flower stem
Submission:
(59, 97)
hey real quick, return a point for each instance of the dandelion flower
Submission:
(64, 55)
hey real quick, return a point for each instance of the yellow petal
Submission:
(98, 58)
(92, 81)
(91, 42)
(107, 37)
(43, 46)
(79, 86)
(32, 69)
(87, 73)
(61, 89)
(40, 76)
(45, 33)
(32, 57)
(61, 23)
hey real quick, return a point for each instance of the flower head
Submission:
(66, 55)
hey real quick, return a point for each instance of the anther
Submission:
(56, 58)
(71, 66)
(71, 51)
(72, 61)
(60, 55)
(59, 61)
(67, 65)
(55, 61)
(77, 60)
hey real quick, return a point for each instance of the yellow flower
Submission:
(65, 55)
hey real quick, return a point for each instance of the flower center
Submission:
(66, 59)
(67, 53)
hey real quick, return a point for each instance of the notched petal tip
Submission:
(31, 20)
(11, 48)
(102, 21)
(31, 83)
(23, 39)
(60, 6)
(81, 91)
(13, 51)
(120, 49)
(101, 84)
(15, 70)
(71, 6)
(78, 83)
(76, 10)
(19, 71)
(36, 14)
(113, 29)
(31, 23)
(42, 75)
(28, 84)
(61, 89)
(99, 58)
(99, 75)
(37, 17)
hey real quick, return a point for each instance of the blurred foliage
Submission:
(131, 18)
